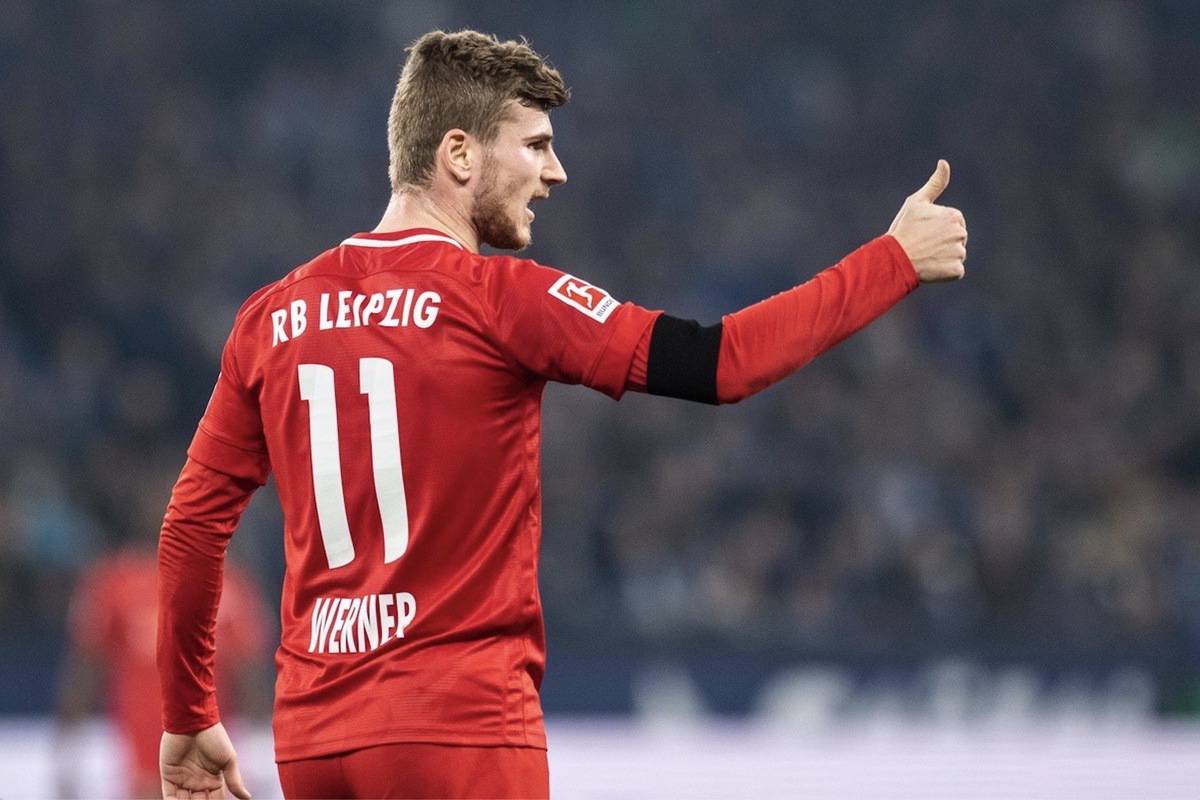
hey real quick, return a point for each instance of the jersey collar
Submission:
(400, 238)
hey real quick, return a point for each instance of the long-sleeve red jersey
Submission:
(393, 387)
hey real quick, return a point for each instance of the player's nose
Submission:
(554, 174)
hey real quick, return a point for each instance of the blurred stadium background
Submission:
(958, 556)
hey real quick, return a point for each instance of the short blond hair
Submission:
(460, 80)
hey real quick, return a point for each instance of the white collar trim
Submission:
(420, 237)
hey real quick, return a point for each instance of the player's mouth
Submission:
(533, 200)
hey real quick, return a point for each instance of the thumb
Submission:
(233, 780)
(936, 184)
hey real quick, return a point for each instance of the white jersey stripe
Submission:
(420, 237)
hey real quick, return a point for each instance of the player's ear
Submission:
(457, 154)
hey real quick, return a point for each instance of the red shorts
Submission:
(420, 770)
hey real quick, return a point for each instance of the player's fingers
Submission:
(184, 793)
(954, 214)
(233, 780)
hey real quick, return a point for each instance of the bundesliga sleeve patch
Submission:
(582, 296)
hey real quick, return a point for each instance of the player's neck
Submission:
(408, 210)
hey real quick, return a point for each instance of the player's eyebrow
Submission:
(539, 137)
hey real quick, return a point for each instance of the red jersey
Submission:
(393, 386)
(113, 620)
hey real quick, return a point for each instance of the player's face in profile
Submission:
(519, 167)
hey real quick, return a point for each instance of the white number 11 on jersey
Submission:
(377, 382)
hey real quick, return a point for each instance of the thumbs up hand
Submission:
(933, 236)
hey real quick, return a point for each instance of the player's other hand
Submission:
(199, 765)
(933, 236)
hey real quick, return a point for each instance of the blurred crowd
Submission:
(1007, 466)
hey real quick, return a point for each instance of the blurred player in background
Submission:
(393, 386)
(111, 656)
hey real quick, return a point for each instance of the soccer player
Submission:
(393, 386)
(111, 654)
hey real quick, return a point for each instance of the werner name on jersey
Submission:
(359, 624)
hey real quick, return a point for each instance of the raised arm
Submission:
(751, 349)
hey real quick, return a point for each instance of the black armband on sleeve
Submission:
(683, 359)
